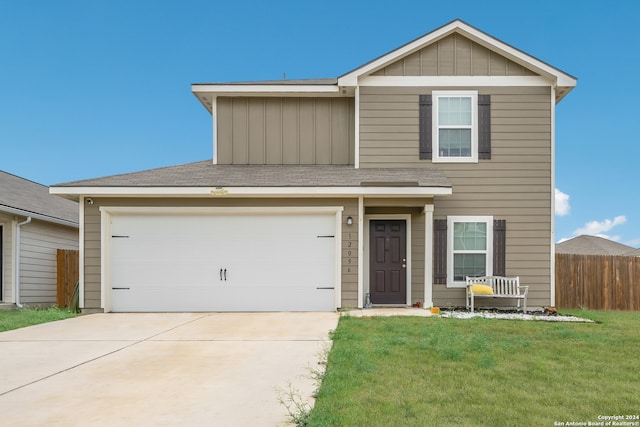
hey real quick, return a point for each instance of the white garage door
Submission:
(223, 262)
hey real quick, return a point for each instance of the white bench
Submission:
(501, 287)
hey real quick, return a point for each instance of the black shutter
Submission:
(484, 127)
(440, 252)
(425, 122)
(499, 247)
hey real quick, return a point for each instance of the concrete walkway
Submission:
(165, 369)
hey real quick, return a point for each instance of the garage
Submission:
(221, 260)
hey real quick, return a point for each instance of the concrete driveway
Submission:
(160, 369)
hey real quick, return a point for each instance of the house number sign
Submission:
(351, 248)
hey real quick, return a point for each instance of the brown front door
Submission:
(388, 261)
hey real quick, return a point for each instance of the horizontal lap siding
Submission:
(285, 131)
(514, 185)
(92, 262)
(39, 242)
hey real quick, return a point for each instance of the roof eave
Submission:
(556, 76)
(38, 216)
(292, 191)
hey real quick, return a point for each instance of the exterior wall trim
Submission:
(252, 191)
(552, 278)
(457, 81)
(367, 219)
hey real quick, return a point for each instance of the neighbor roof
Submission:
(209, 176)
(19, 196)
(592, 245)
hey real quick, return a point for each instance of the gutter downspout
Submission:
(20, 224)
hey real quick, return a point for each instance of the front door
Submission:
(388, 261)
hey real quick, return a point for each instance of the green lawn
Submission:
(410, 371)
(14, 319)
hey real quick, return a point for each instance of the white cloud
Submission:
(599, 228)
(562, 203)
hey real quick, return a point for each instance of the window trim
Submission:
(451, 252)
(436, 95)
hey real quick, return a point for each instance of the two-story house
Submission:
(389, 184)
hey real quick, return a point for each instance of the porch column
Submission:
(360, 252)
(428, 256)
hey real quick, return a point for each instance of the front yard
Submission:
(409, 371)
(14, 319)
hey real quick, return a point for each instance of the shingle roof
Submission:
(19, 195)
(592, 245)
(206, 174)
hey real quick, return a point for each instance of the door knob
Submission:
(404, 265)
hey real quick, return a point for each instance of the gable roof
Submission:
(564, 81)
(203, 178)
(344, 84)
(19, 196)
(592, 245)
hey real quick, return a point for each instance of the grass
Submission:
(14, 319)
(409, 371)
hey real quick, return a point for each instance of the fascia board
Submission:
(258, 89)
(516, 55)
(41, 217)
(351, 78)
(249, 191)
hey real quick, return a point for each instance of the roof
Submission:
(635, 252)
(307, 178)
(565, 82)
(593, 245)
(562, 81)
(19, 196)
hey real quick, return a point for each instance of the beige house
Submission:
(387, 185)
(33, 225)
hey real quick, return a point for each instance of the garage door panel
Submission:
(223, 263)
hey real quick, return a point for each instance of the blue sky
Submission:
(96, 88)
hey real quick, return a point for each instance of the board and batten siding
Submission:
(309, 131)
(39, 243)
(454, 55)
(515, 184)
(92, 261)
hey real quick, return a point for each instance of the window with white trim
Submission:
(455, 126)
(470, 243)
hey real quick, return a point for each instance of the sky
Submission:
(92, 88)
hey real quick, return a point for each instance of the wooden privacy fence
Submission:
(68, 273)
(599, 282)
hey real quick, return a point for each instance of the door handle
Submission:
(220, 274)
(225, 274)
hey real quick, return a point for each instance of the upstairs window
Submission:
(455, 126)
(455, 130)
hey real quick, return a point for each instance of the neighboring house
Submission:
(635, 252)
(388, 184)
(33, 225)
(593, 245)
